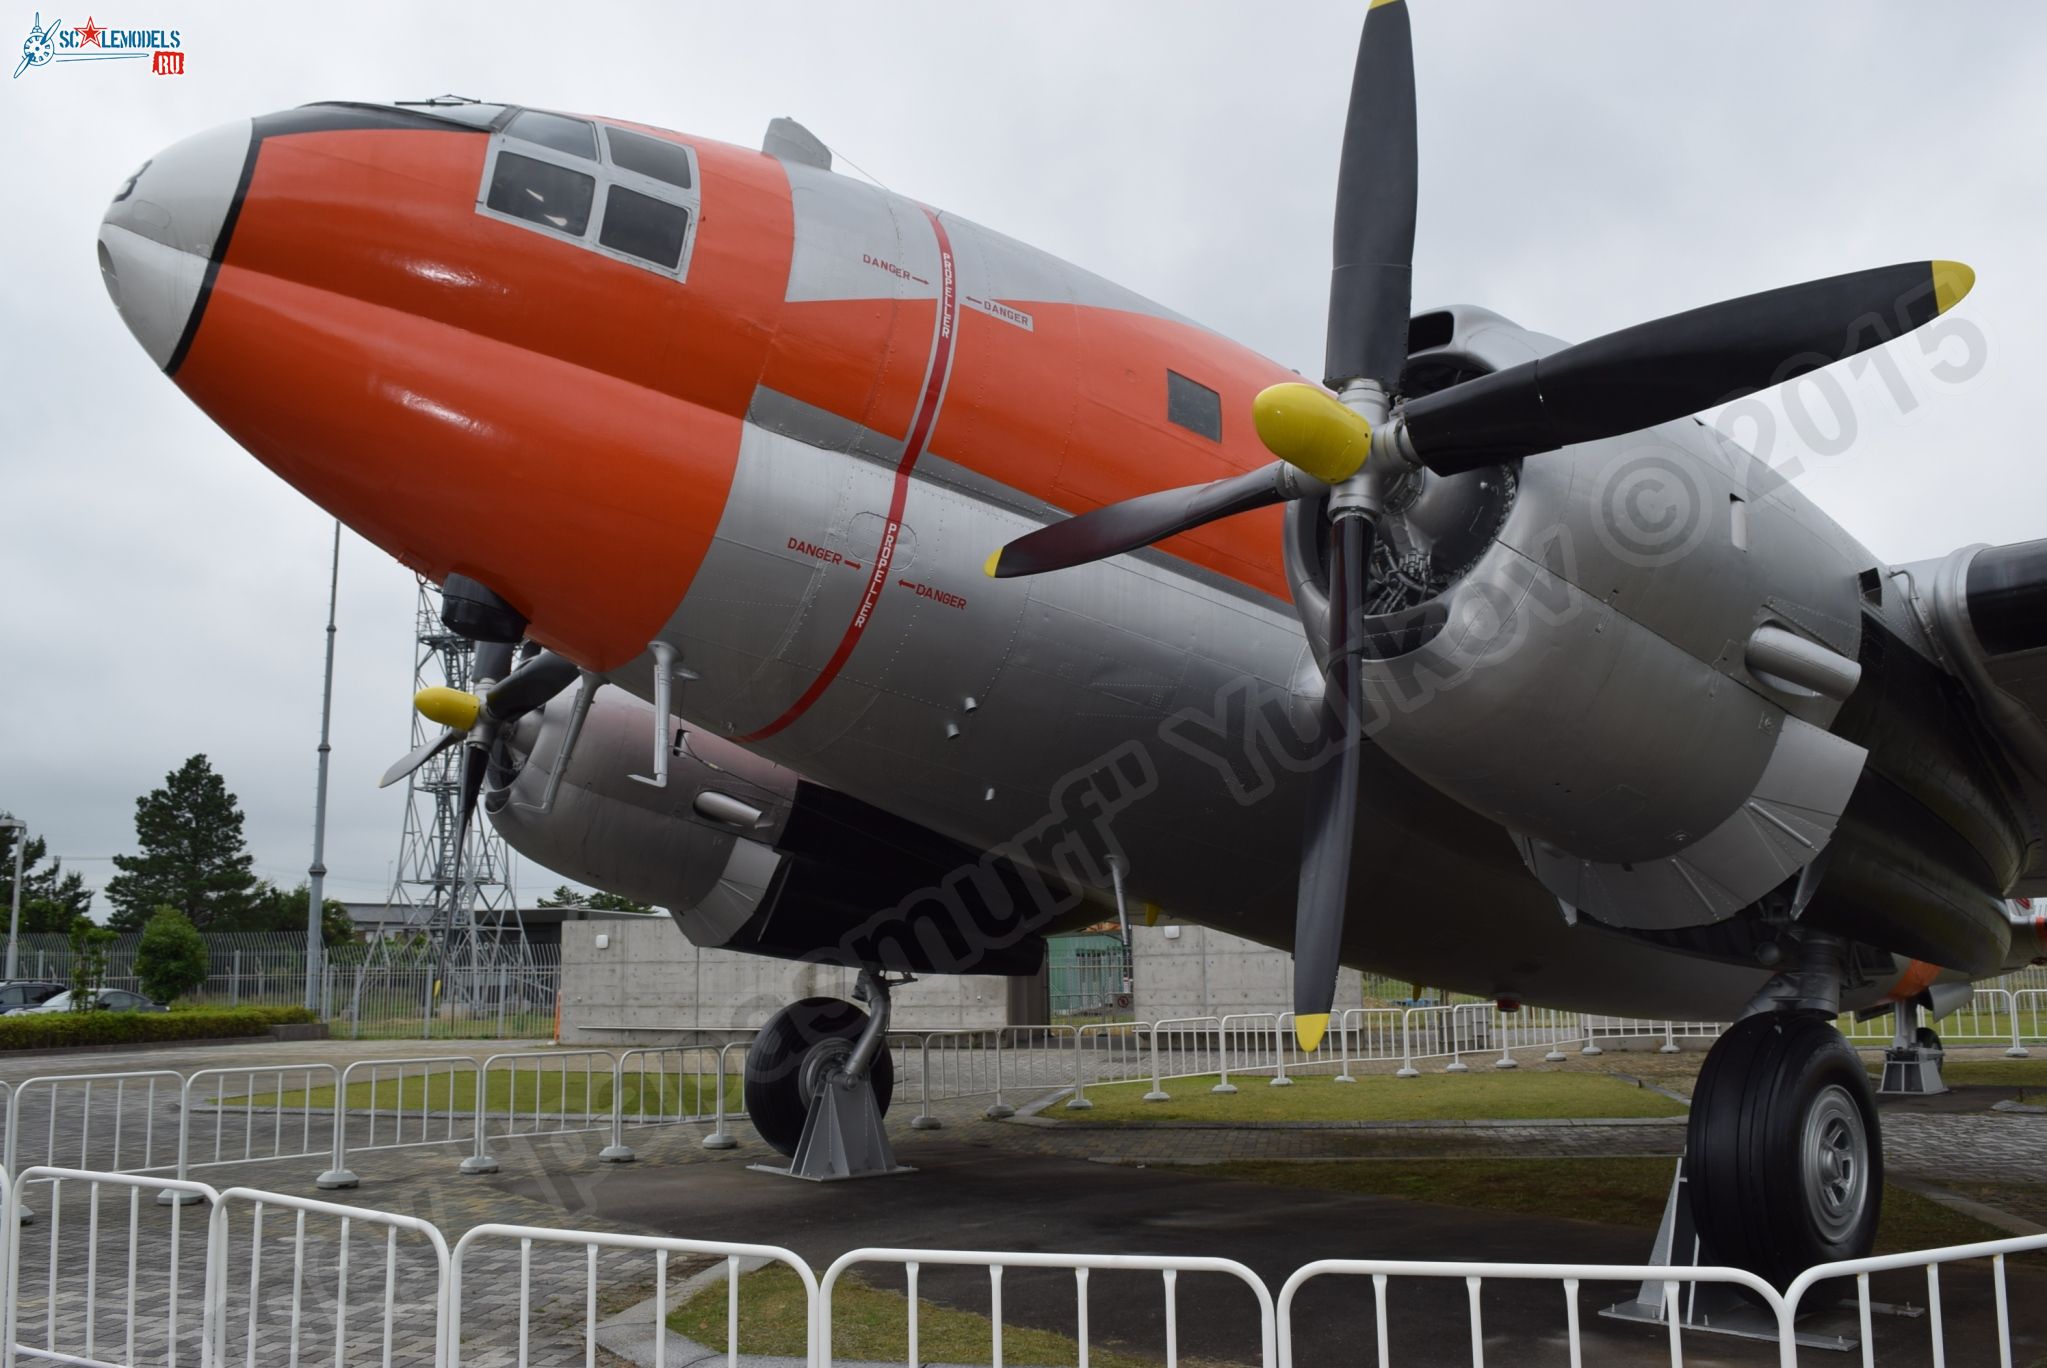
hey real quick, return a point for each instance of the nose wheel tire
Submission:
(794, 1056)
(1784, 1159)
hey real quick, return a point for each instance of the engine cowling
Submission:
(1627, 654)
(703, 844)
(749, 856)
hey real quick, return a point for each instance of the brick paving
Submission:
(1989, 1156)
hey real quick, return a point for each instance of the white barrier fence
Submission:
(265, 1278)
(162, 1121)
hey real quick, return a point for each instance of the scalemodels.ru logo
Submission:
(92, 41)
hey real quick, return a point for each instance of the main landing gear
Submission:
(1783, 1163)
(1783, 1157)
(818, 1082)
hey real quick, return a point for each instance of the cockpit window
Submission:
(572, 136)
(541, 192)
(626, 196)
(642, 226)
(664, 161)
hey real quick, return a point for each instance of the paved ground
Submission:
(982, 1184)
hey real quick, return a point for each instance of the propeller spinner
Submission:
(1348, 445)
(477, 721)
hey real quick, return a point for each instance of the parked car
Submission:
(108, 1000)
(16, 994)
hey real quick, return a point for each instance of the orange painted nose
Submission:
(469, 394)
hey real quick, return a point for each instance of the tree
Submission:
(89, 945)
(284, 909)
(171, 958)
(50, 898)
(193, 856)
(564, 896)
(612, 902)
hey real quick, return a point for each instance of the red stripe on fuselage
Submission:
(920, 433)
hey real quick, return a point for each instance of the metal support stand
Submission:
(843, 1136)
(1717, 1308)
(1911, 1069)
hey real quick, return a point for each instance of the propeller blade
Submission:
(475, 761)
(1333, 790)
(1116, 528)
(492, 661)
(1370, 284)
(531, 685)
(419, 756)
(1659, 371)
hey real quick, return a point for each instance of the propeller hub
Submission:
(1312, 430)
(455, 709)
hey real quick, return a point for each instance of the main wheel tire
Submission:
(1928, 1039)
(790, 1058)
(1784, 1159)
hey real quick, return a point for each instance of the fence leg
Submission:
(337, 1176)
(618, 1151)
(998, 1109)
(1279, 1038)
(1555, 1055)
(1407, 1068)
(1158, 1091)
(1343, 1043)
(1669, 1045)
(1591, 1046)
(481, 1161)
(175, 1196)
(924, 1120)
(1506, 1059)
(2017, 1051)
(718, 1139)
(1079, 1102)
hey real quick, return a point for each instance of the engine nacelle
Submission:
(746, 855)
(702, 844)
(1627, 653)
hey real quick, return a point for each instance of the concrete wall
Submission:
(1191, 971)
(648, 979)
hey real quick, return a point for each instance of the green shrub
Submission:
(170, 959)
(57, 1030)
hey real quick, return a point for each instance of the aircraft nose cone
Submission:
(157, 238)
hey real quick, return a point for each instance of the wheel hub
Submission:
(1834, 1162)
(820, 1061)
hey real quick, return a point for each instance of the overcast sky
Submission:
(1584, 166)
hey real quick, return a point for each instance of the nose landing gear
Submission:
(818, 1082)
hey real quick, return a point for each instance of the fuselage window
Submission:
(572, 136)
(645, 227)
(628, 196)
(1194, 406)
(541, 192)
(664, 161)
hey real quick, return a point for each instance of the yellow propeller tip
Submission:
(452, 708)
(1309, 1030)
(994, 559)
(1951, 281)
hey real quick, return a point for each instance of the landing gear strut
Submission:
(818, 1082)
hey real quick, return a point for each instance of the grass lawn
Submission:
(1522, 1095)
(651, 1094)
(869, 1323)
(1625, 1191)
